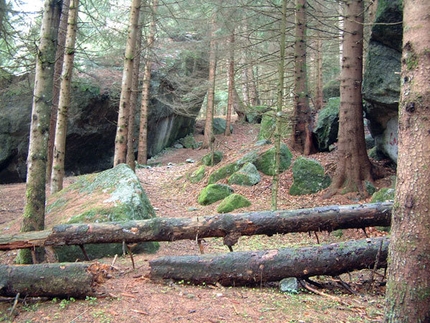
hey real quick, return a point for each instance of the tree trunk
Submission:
(59, 151)
(130, 158)
(34, 210)
(408, 285)
(142, 151)
(229, 226)
(58, 68)
(208, 135)
(353, 167)
(302, 134)
(256, 267)
(230, 84)
(279, 105)
(238, 107)
(120, 155)
(47, 280)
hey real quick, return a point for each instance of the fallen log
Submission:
(49, 280)
(229, 226)
(255, 267)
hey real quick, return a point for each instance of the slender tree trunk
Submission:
(353, 167)
(208, 135)
(230, 84)
(59, 152)
(134, 96)
(302, 133)
(279, 105)
(58, 68)
(408, 285)
(142, 154)
(124, 104)
(34, 210)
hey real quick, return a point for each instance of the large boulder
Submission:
(381, 85)
(213, 193)
(265, 162)
(112, 195)
(248, 175)
(232, 202)
(177, 93)
(308, 177)
(327, 125)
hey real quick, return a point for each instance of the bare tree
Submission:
(59, 151)
(34, 210)
(231, 84)
(407, 296)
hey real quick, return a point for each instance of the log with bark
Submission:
(256, 267)
(229, 226)
(76, 280)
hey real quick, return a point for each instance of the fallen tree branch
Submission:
(255, 267)
(229, 226)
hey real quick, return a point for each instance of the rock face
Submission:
(381, 86)
(112, 195)
(94, 112)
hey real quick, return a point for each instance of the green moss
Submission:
(265, 163)
(248, 175)
(223, 172)
(197, 175)
(213, 193)
(233, 202)
(209, 161)
(309, 177)
(384, 194)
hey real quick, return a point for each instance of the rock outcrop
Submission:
(381, 86)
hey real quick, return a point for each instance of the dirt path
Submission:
(131, 297)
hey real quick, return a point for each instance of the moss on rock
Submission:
(248, 175)
(197, 175)
(213, 193)
(265, 163)
(217, 157)
(309, 177)
(232, 202)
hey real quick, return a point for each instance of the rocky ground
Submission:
(130, 296)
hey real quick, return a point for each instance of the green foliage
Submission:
(232, 202)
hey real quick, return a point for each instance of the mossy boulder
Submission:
(308, 177)
(219, 125)
(232, 202)
(384, 194)
(327, 125)
(112, 195)
(254, 114)
(223, 172)
(213, 193)
(265, 162)
(189, 142)
(267, 127)
(217, 157)
(248, 175)
(197, 175)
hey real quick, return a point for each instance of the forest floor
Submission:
(130, 296)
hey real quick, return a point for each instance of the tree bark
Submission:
(408, 285)
(34, 210)
(353, 167)
(302, 134)
(256, 267)
(231, 84)
(59, 152)
(47, 280)
(120, 155)
(210, 108)
(229, 226)
(142, 151)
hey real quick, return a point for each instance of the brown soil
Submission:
(131, 297)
